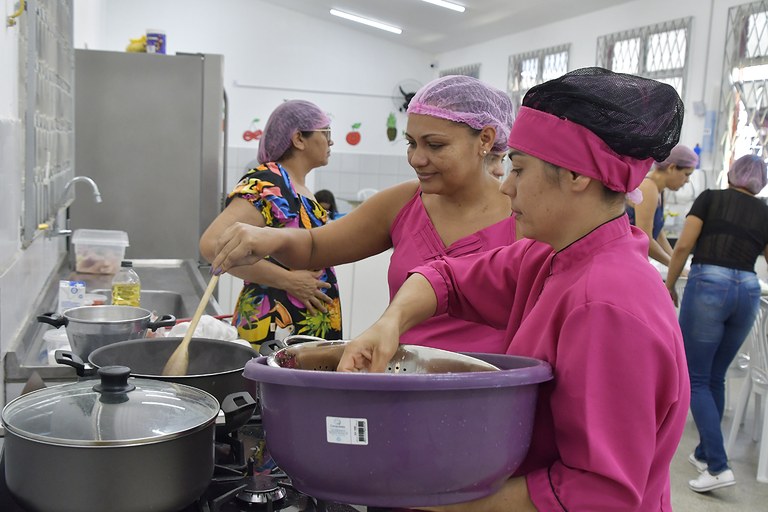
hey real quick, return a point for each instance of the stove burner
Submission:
(261, 489)
(257, 493)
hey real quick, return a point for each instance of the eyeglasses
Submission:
(325, 131)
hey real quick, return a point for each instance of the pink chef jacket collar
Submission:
(569, 145)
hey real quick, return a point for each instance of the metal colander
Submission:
(322, 355)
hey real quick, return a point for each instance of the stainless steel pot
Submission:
(91, 327)
(215, 366)
(113, 445)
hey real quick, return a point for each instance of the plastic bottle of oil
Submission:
(126, 286)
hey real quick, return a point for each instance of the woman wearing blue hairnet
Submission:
(277, 301)
(455, 125)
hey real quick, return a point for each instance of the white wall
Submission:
(705, 48)
(277, 54)
(274, 53)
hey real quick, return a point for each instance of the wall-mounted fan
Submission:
(403, 93)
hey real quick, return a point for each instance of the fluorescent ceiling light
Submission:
(366, 21)
(448, 5)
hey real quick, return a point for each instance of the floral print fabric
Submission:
(266, 313)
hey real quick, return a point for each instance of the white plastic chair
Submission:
(365, 193)
(756, 383)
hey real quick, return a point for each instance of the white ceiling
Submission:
(435, 29)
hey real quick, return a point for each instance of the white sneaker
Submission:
(709, 482)
(700, 466)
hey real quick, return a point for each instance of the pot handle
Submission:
(68, 358)
(53, 319)
(114, 384)
(163, 321)
(270, 347)
(238, 409)
(295, 339)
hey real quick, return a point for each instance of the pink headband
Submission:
(569, 145)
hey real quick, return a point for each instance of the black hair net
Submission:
(635, 116)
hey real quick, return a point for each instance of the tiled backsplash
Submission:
(11, 173)
(23, 272)
(345, 175)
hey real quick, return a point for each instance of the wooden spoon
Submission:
(179, 361)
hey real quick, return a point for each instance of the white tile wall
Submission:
(228, 291)
(20, 291)
(10, 177)
(347, 174)
(366, 292)
(353, 163)
(329, 180)
(23, 272)
(22, 283)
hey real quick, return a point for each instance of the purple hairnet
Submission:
(290, 117)
(748, 172)
(467, 100)
(682, 156)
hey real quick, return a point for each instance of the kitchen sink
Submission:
(169, 287)
(160, 302)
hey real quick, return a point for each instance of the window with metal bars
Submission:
(658, 51)
(743, 122)
(472, 70)
(46, 102)
(531, 68)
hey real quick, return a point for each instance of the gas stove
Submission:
(256, 493)
(245, 480)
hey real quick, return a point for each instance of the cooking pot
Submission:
(91, 327)
(389, 440)
(112, 444)
(215, 366)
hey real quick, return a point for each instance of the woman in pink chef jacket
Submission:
(579, 293)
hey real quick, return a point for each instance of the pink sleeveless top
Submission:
(416, 242)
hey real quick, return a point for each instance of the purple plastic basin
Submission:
(394, 440)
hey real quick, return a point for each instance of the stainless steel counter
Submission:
(168, 286)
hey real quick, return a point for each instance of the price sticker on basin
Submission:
(346, 430)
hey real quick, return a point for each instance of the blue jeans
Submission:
(718, 309)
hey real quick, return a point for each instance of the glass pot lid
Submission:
(113, 411)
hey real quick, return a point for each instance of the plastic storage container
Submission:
(99, 251)
(126, 286)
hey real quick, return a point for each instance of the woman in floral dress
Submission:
(277, 301)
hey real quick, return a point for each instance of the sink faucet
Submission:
(86, 179)
(50, 227)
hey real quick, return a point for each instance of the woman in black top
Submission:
(729, 230)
